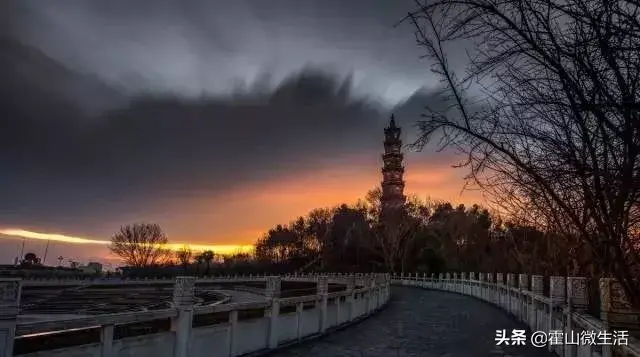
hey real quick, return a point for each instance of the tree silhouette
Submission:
(555, 135)
(30, 259)
(206, 258)
(184, 256)
(435, 237)
(140, 245)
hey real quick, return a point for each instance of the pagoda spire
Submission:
(393, 198)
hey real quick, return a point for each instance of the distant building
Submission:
(92, 268)
(393, 199)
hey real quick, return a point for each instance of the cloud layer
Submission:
(212, 46)
(216, 122)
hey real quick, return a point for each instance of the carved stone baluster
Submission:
(616, 311)
(523, 287)
(272, 292)
(557, 297)
(9, 306)
(183, 299)
(537, 290)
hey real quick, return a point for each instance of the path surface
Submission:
(422, 323)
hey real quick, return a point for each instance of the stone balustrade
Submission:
(305, 317)
(563, 310)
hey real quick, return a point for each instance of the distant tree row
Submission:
(430, 237)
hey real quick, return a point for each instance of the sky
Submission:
(215, 119)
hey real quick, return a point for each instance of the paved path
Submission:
(422, 323)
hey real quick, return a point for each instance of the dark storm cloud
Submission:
(59, 167)
(246, 105)
(202, 45)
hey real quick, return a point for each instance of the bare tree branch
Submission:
(555, 134)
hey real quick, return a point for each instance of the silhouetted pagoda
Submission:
(393, 199)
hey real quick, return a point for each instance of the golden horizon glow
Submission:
(224, 249)
(237, 218)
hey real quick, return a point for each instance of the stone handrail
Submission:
(314, 315)
(564, 310)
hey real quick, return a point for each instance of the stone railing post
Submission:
(523, 285)
(374, 293)
(454, 282)
(473, 284)
(558, 289)
(370, 283)
(537, 285)
(499, 284)
(272, 292)
(537, 289)
(577, 300)
(10, 290)
(557, 297)
(490, 290)
(616, 311)
(511, 284)
(523, 282)
(233, 332)
(577, 293)
(106, 340)
(183, 298)
(323, 291)
(350, 287)
(380, 279)
(299, 314)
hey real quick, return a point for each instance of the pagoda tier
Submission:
(393, 198)
(393, 166)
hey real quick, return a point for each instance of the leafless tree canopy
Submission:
(184, 255)
(555, 135)
(140, 245)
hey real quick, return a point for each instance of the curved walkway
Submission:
(422, 323)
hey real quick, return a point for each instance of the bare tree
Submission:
(555, 135)
(184, 256)
(206, 258)
(140, 245)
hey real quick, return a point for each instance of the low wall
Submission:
(222, 330)
(564, 310)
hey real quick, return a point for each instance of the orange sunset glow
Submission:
(241, 216)
(232, 222)
(220, 249)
